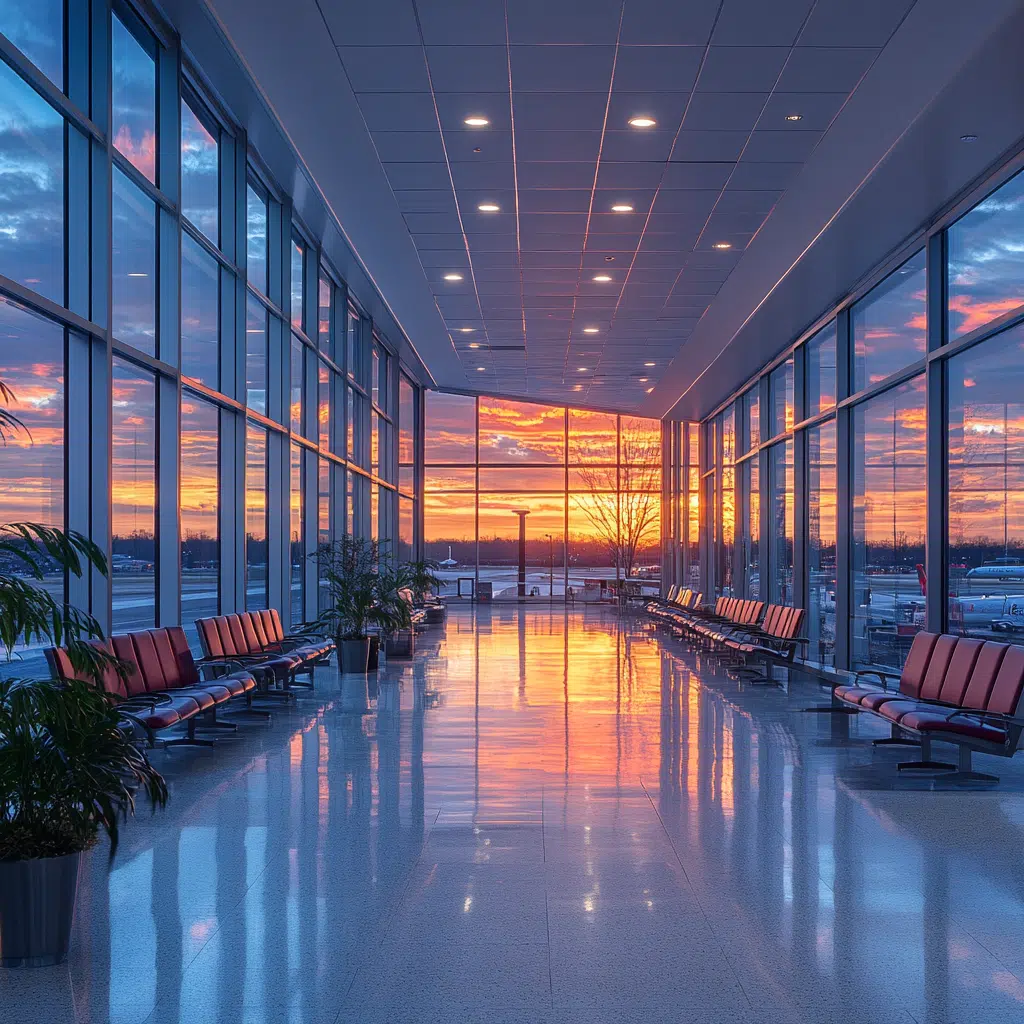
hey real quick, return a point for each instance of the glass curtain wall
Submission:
(202, 426)
(584, 488)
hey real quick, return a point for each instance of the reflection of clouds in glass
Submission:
(199, 448)
(591, 436)
(406, 413)
(323, 413)
(133, 480)
(513, 431)
(297, 385)
(37, 29)
(200, 313)
(890, 324)
(31, 188)
(200, 173)
(256, 238)
(133, 265)
(133, 99)
(255, 356)
(450, 431)
(32, 467)
(255, 516)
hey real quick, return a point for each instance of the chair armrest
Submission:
(987, 716)
(882, 676)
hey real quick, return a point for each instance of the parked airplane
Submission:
(449, 562)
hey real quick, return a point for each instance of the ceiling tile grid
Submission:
(553, 233)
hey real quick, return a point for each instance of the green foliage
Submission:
(348, 569)
(66, 769)
(421, 580)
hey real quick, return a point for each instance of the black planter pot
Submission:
(354, 655)
(401, 644)
(37, 908)
(373, 661)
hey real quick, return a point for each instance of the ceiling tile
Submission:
(664, 107)
(397, 111)
(409, 147)
(432, 222)
(561, 68)
(463, 69)
(754, 175)
(709, 146)
(385, 68)
(425, 201)
(458, 22)
(747, 23)
(695, 202)
(540, 21)
(781, 145)
(816, 110)
(483, 176)
(742, 68)
(865, 23)
(657, 68)
(454, 107)
(735, 200)
(555, 174)
(385, 22)
(825, 69)
(495, 147)
(618, 175)
(554, 111)
(418, 176)
(565, 146)
(629, 144)
(697, 175)
(554, 201)
(724, 111)
(668, 21)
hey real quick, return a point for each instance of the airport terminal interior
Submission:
(511, 511)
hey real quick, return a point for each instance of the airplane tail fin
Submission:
(922, 579)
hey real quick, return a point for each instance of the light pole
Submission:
(551, 568)
(522, 513)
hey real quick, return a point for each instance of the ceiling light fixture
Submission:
(609, 259)
(794, 117)
(650, 364)
(643, 380)
(466, 330)
(622, 208)
(642, 121)
(480, 369)
(488, 208)
(649, 390)
(722, 245)
(137, 274)
(602, 277)
(453, 277)
(476, 121)
(474, 344)
(968, 138)
(581, 369)
(590, 330)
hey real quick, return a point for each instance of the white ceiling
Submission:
(374, 96)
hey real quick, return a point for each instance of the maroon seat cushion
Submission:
(854, 694)
(162, 717)
(238, 683)
(932, 723)
(894, 710)
(186, 707)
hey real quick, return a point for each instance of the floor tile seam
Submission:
(955, 918)
(699, 902)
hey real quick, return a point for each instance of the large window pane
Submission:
(821, 543)
(31, 188)
(133, 497)
(200, 174)
(780, 399)
(890, 324)
(406, 422)
(499, 543)
(405, 529)
(450, 433)
(750, 473)
(36, 27)
(133, 98)
(133, 265)
(255, 518)
(986, 487)
(592, 436)
(521, 431)
(888, 523)
(449, 535)
(298, 289)
(752, 408)
(325, 324)
(200, 546)
(323, 516)
(256, 356)
(780, 524)
(200, 313)
(298, 386)
(256, 238)
(986, 260)
(297, 534)
(821, 371)
(726, 530)
(324, 406)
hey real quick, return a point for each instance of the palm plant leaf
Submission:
(9, 423)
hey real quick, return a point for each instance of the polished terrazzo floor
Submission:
(549, 817)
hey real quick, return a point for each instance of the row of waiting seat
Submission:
(958, 690)
(158, 683)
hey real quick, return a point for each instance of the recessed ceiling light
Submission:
(590, 330)
(476, 121)
(794, 117)
(466, 330)
(609, 259)
(602, 277)
(474, 344)
(650, 364)
(649, 390)
(643, 380)
(453, 277)
(642, 121)
(581, 369)
(480, 369)
(968, 138)
(622, 208)
(137, 274)
(488, 208)
(722, 245)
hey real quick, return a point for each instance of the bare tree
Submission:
(625, 504)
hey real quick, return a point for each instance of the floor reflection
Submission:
(548, 816)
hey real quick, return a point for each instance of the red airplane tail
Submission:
(922, 579)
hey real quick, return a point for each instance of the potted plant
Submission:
(67, 767)
(348, 570)
(424, 583)
(67, 771)
(394, 609)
